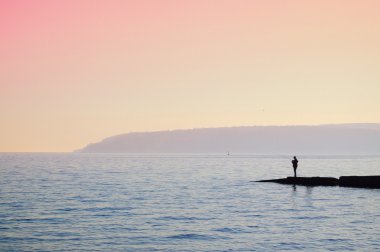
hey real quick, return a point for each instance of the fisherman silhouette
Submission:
(295, 164)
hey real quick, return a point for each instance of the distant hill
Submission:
(321, 139)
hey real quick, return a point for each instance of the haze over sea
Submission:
(121, 202)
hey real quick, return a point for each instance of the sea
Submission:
(183, 202)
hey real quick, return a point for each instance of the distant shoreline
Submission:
(339, 139)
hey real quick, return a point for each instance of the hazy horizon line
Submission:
(202, 128)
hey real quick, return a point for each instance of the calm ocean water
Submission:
(117, 202)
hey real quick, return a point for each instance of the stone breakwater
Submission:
(344, 181)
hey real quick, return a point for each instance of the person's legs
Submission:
(295, 171)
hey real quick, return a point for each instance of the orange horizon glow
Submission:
(75, 72)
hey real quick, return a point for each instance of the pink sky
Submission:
(74, 72)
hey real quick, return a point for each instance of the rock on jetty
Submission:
(360, 181)
(345, 181)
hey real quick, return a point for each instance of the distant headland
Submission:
(350, 139)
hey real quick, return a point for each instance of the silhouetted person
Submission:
(295, 165)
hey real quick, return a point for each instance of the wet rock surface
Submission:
(307, 181)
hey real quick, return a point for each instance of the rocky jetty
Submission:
(344, 181)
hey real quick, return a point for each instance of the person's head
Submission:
(294, 157)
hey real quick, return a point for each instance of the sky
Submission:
(76, 71)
